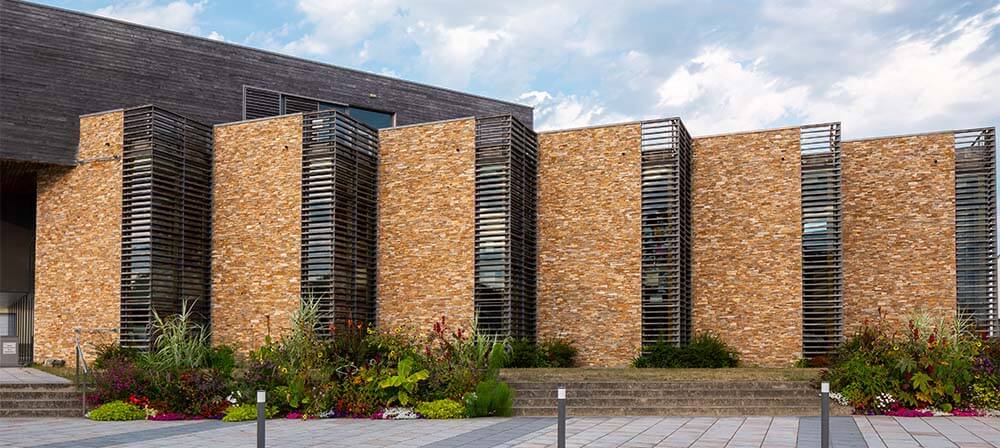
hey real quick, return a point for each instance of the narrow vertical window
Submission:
(666, 232)
(822, 243)
(975, 228)
(506, 227)
(166, 220)
(339, 216)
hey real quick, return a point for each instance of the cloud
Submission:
(214, 35)
(717, 93)
(177, 15)
(567, 111)
(947, 79)
(880, 66)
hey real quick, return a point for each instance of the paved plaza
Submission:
(882, 432)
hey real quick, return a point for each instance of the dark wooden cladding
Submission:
(506, 227)
(822, 240)
(56, 65)
(666, 232)
(339, 216)
(976, 228)
(166, 220)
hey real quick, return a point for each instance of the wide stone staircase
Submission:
(670, 398)
(40, 400)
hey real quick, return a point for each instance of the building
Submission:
(255, 196)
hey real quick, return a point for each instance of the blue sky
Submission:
(880, 66)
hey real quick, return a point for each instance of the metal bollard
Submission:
(824, 423)
(261, 415)
(561, 400)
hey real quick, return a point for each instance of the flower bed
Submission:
(346, 371)
(931, 366)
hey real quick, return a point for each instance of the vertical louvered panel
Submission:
(666, 232)
(166, 220)
(339, 216)
(822, 241)
(506, 227)
(975, 228)
(260, 103)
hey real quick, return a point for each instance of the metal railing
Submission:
(81, 360)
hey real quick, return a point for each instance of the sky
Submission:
(881, 67)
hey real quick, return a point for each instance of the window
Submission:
(260, 103)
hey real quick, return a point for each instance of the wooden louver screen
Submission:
(822, 240)
(339, 216)
(166, 220)
(976, 227)
(506, 227)
(666, 232)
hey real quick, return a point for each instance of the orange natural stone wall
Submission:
(426, 226)
(589, 241)
(256, 225)
(78, 243)
(747, 248)
(899, 227)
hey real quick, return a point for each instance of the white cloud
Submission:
(177, 15)
(340, 24)
(716, 93)
(214, 35)
(567, 111)
(942, 80)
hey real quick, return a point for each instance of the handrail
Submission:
(82, 361)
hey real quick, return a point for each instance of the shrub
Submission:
(198, 392)
(441, 409)
(403, 383)
(117, 411)
(244, 412)
(492, 398)
(705, 351)
(108, 354)
(118, 378)
(935, 361)
(524, 353)
(559, 353)
(181, 344)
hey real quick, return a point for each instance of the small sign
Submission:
(10, 348)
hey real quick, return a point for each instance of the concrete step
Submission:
(27, 394)
(678, 394)
(40, 400)
(666, 385)
(29, 413)
(72, 403)
(662, 403)
(682, 411)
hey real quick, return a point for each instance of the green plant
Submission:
(705, 351)
(524, 353)
(181, 343)
(492, 398)
(559, 353)
(244, 412)
(441, 409)
(404, 382)
(117, 411)
(114, 353)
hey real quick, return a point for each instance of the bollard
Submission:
(261, 415)
(824, 430)
(561, 399)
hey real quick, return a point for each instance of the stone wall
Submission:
(256, 226)
(899, 221)
(78, 242)
(589, 241)
(426, 226)
(747, 254)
